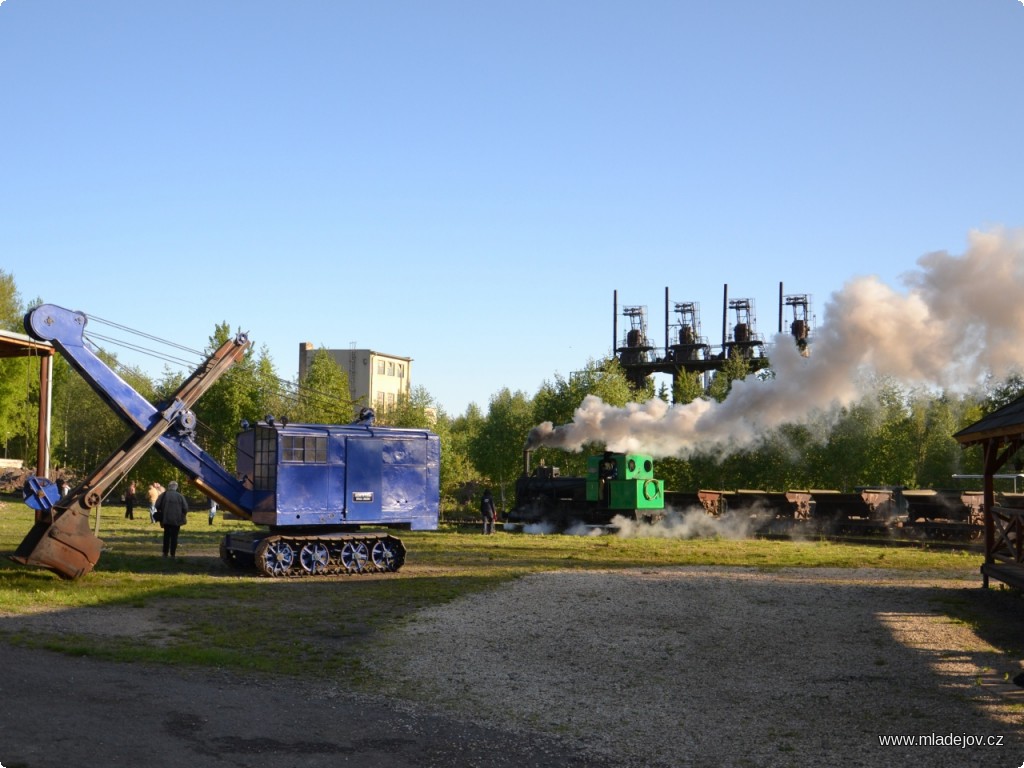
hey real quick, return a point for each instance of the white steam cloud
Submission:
(690, 523)
(960, 319)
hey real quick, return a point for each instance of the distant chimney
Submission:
(304, 349)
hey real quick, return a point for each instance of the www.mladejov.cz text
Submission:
(962, 740)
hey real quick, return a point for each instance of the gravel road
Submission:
(662, 667)
(723, 666)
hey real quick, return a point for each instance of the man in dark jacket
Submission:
(487, 512)
(172, 509)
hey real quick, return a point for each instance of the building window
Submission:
(391, 399)
(401, 370)
(380, 400)
(391, 368)
(380, 367)
(304, 449)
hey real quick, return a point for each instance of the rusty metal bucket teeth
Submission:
(66, 546)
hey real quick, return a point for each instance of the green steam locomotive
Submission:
(615, 484)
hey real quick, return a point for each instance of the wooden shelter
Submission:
(1000, 435)
(20, 345)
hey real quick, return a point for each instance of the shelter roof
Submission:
(19, 345)
(1004, 424)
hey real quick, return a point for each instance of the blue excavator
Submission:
(313, 489)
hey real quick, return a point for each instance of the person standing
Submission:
(213, 509)
(487, 512)
(173, 510)
(129, 502)
(155, 489)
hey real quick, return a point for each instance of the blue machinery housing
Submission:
(318, 475)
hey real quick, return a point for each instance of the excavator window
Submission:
(304, 449)
(266, 460)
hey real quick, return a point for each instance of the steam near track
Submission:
(693, 523)
(959, 320)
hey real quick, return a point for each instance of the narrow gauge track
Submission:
(937, 536)
(891, 538)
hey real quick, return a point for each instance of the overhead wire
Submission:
(287, 389)
(136, 348)
(145, 335)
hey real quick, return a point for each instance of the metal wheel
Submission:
(314, 557)
(383, 555)
(354, 555)
(275, 557)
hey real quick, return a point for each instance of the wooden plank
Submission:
(1010, 574)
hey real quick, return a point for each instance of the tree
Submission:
(688, 387)
(266, 395)
(894, 456)
(735, 368)
(324, 396)
(938, 454)
(460, 478)
(18, 394)
(417, 411)
(220, 410)
(1004, 392)
(497, 449)
(11, 309)
(15, 375)
(248, 391)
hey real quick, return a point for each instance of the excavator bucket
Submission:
(60, 539)
(66, 545)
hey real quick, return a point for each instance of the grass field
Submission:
(212, 616)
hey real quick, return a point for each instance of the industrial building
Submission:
(687, 350)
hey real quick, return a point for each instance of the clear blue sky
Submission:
(467, 183)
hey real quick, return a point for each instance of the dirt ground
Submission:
(58, 711)
(696, 666)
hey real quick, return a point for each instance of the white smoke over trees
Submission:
(960, 320)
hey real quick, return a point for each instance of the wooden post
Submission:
(45, 404)
(991, 452)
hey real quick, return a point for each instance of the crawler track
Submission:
(298, 556)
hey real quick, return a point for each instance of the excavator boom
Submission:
(61, 540)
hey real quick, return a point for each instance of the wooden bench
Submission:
(1011, 575)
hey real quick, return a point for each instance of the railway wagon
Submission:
(761, 506)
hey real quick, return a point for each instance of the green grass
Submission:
(214, 617)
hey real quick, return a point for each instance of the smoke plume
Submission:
(959, 320)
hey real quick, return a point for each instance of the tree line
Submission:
(892, 436)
